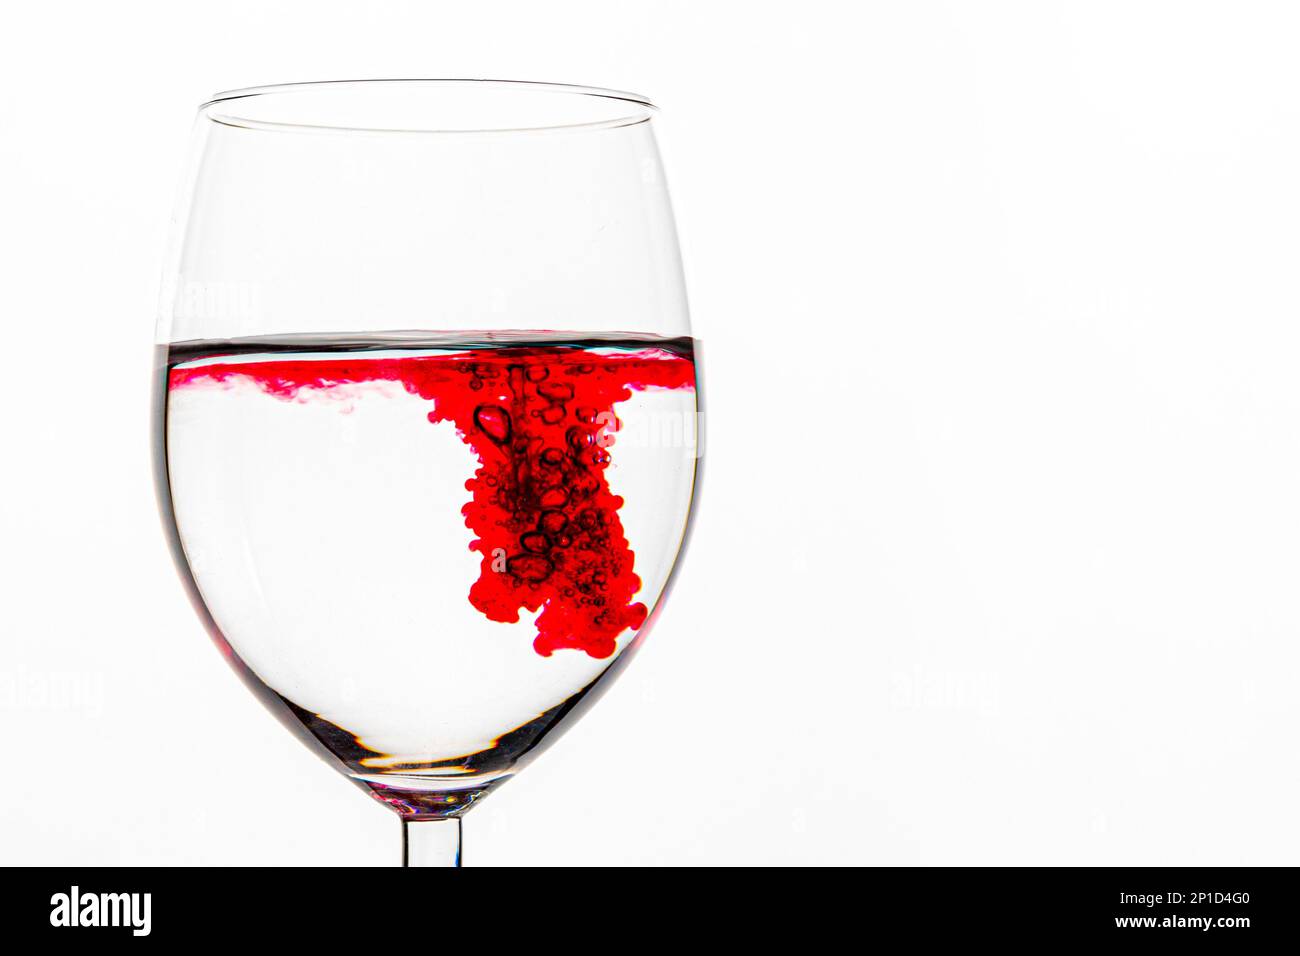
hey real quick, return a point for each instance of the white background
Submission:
(998, 554)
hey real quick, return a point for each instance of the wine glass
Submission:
(426, 418)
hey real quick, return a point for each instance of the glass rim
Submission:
(610, 108)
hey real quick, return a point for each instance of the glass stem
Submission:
(431, 842)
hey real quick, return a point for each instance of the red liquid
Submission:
(541, 421)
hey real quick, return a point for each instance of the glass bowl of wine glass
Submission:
(426, 418)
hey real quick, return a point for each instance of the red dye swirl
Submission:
(541, 421)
